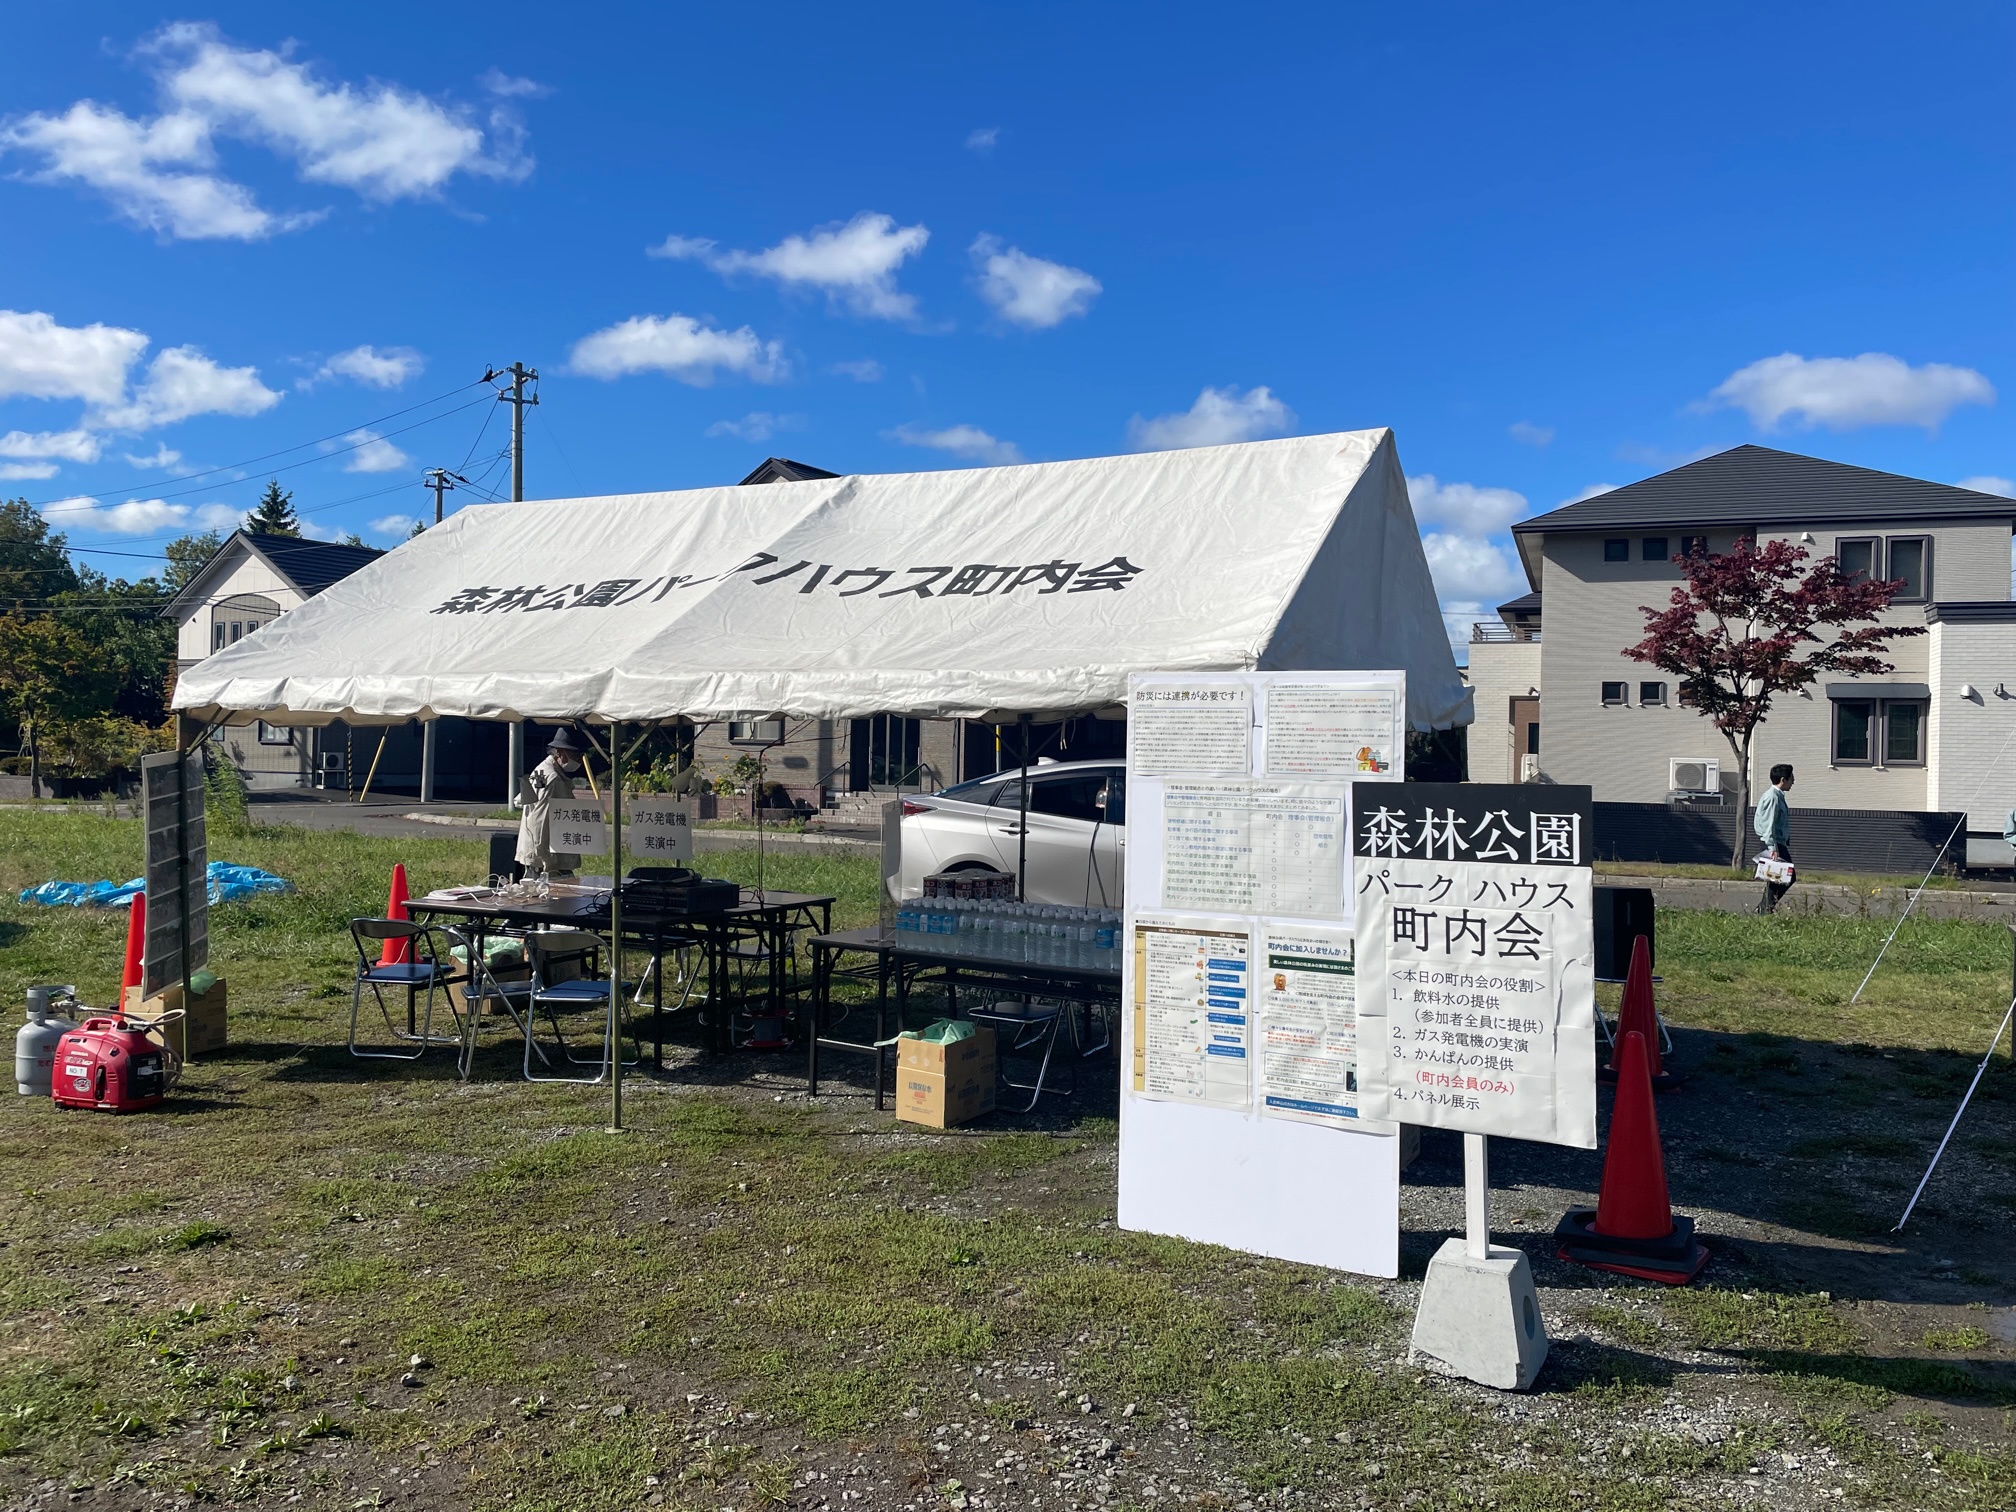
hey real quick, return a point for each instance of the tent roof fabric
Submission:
(986, 592)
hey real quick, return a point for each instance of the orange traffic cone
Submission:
(1632, 1230)
(396, 952)
(1636, 1015)
(136, 943)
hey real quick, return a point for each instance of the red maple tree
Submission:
(1746, 627)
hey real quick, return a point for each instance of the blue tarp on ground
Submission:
(227, 883)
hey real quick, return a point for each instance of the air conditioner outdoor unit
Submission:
(1529, 767)
(1694, 775)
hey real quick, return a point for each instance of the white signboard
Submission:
(1476, 959)
(658, 829)
(578, 826)
(1240, 1121)
(654, 829)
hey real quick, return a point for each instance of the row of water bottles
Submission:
(1036, 933)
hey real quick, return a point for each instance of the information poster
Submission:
(1203, 726)
(1319, 730)
(1192, 1039)
(1253, 848)
(1476, 952)
(658, 830)
(1305, 1009)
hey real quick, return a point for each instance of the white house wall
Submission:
(1500, 671)
(249, 574)
(1973, 754)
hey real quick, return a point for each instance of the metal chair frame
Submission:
(1032, 1025)
(484, 988)
(544, 950)
(412, 975)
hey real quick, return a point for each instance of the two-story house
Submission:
(1557, 699)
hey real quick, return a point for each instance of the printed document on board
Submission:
(1192, 1011)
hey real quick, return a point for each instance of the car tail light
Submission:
(910, 808)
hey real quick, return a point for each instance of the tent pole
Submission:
(1022, 822)
(615, 927)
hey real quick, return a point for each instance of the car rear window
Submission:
(1073, 797)
(981, 791)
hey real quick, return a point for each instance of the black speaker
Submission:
(504, 855)
(1622, 914)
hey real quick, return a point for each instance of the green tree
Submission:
(187, 556)
(274, 513)
(48, 670)
(33, 561)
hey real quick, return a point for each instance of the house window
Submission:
(755, 731)
(1616, 551)
(1653, 549)
(1903, 734)
(1615, 694)
(279, 735)
(217, 634)
(1693, 546)
(1852, 719)
(1861, 560)
(1911, 562)
(1651, 695)
(237, 631)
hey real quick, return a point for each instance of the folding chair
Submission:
(411, 975)
(552, 952)
(1023, 1024)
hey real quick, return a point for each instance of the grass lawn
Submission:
(754, 1300)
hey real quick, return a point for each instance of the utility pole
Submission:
(520, 375)
(438, 480)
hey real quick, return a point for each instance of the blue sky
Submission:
(1554, 248)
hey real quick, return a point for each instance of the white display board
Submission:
(1240, 1122)
(1477, 956)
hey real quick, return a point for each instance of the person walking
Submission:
(549, 782)
(1774, 828)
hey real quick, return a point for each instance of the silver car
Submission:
(1077, 843)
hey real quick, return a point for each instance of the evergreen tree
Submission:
(274, 514)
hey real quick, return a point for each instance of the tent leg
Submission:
(1022, 822)
(615, 927)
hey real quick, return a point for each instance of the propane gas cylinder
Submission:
(35, 1044)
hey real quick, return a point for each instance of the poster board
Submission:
(1477, 952)
(1240, 1121)
(177, 869)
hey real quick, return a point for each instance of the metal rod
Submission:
(615, 925)
(1477, 1195)
(182, 755)
(1911, 1206)
(1022, 822)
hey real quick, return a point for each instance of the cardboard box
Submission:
(201, 1029)
(941, 1086)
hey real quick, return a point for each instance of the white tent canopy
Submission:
(987, 592)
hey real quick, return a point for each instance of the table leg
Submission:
(658, 1006)
(812, 1029)
(881, 1019)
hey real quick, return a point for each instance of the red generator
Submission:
(110, 1066)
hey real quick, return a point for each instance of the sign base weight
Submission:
(1479, 1318)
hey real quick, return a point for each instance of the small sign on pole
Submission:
(578, 826)
(658, 829)
(1477, 1012)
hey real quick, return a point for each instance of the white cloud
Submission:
(680, 346)
(182, 382)
(40, 359)
(393, 525)
(854, 264)
(155, 173)
(134, 517)
(1594, 490)
(1471, 577)
(866, 370)
(1472, 510)
(60, 446)
(982, 138)
(1031, 291)
(164, 457)
(1528, 434)
(380, 140)
(1842, 393)
(372, 453)
(967, 441)
(219, 516)
(1988, 483)
(757, 425)
(13, 470)
(495, 81)
(368, 365)
(1218, 417)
